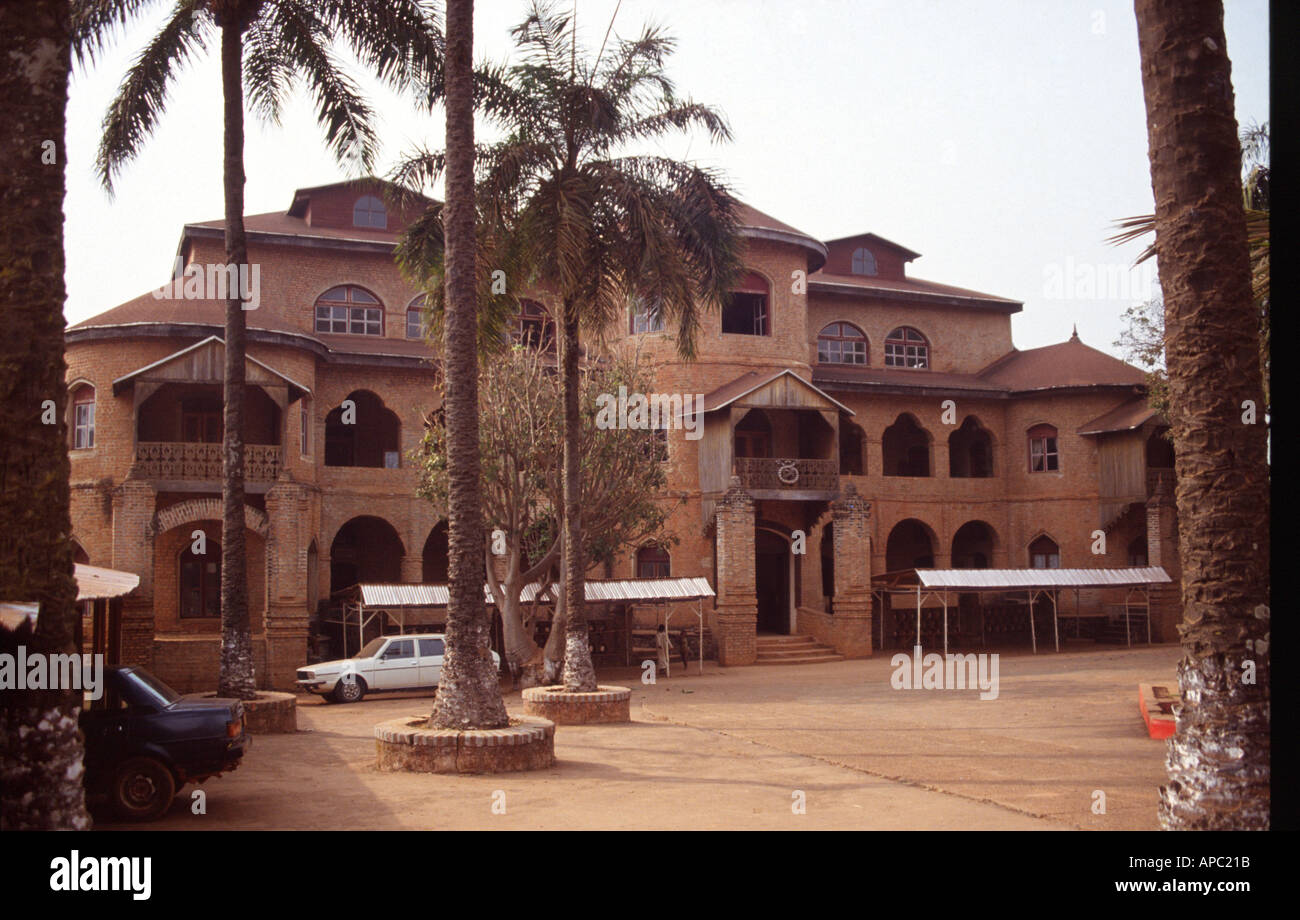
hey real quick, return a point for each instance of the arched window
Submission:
(852, 455)
(653, 562)
(905, 347)
(745, 309)
(970, 451)
(363, 432)
(416, 327)
(864, 263)
(534, 327)
(348, 308)
(83, 417)
(1044, 554)
(842, 343)
(1043, 454)
(200, 581)
(369, 212)
(905, 446)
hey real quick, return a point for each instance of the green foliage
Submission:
(284, 42)
(520, 436)
(562, 210)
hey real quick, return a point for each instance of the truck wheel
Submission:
(143, 789)
(350, 691)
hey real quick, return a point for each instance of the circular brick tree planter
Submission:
(270, 713)
(408, 745)
(605, 704)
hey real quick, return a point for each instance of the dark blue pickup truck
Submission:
(144, 741)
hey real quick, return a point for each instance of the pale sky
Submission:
(999, 138)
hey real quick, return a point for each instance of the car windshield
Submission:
(155, 689)
(371, 648)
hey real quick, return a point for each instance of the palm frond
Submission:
(142, 96)
(400, 41)
(95, 22)
(268, 72)
(340, 108)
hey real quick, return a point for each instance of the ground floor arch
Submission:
(365, 549)
(774, 580)
(910, 545)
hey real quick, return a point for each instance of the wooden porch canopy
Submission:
(1034, 582)
(204, 362)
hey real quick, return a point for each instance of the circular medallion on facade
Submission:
(788, 473)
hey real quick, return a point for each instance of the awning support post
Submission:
(945, 623)
(1033, 636)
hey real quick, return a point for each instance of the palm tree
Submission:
(40, 745)
(1219, 756)
(469, 692)
(596, 228)
(266, 47)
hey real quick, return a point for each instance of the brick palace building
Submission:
(889, 419)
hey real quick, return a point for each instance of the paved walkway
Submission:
(733, 748)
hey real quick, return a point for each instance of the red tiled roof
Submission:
(917, 286)
(1124, 417)
(148, 310)
(761, 224)
(829, 375)
(281, 223)
(1069, 364)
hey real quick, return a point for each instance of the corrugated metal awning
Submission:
(626, 590)
(1023, 579)
(94, 583)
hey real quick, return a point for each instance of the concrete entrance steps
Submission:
(794, 650)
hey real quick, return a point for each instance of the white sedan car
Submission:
(408, 662)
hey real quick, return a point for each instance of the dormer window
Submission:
(905, 347)
(864, 263)
(369, 212)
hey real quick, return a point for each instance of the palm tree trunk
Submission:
(579, 675)
(469, 690)
(1219, 756)
(40, 743)
(236, 678)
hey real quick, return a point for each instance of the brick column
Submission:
(288, 511)
(737, 604)
(412, 569)
(851, 619)
(1166, 609)
(134, 502)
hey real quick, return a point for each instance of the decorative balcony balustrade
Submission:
(792, 475)
(183, 461)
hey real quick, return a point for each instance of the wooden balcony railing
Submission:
(788, 474)
(183, 461)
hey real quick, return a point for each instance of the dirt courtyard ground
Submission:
(742, 748)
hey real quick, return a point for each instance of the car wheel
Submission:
(350, 691)
(143, 789)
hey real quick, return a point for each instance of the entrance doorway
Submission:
(772, 582)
